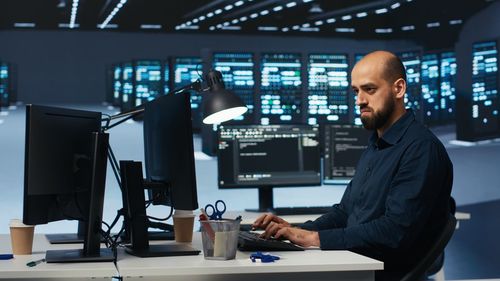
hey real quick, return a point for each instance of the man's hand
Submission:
(270, 223)
(301, 237)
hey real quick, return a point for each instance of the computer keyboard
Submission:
(287, 211)
(250, 241)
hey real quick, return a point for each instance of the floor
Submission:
(471, 254)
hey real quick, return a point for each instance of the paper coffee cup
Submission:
(183, 225)
(21, 237)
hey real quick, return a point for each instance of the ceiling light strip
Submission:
(113, 13)
(210, 14)
(74, 10)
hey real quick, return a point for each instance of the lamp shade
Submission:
(220, 104)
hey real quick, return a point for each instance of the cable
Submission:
(162, 219)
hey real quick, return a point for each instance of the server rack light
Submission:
(186, 71)
(166, 77)
(127, 87)
(448, 71)
(148, 80)
(485, 100)
(357, 112)
(4, 84)
(413, 99)
(430, 88)
(281, 94)
(117, 84)
(238, 72)
(327, 89)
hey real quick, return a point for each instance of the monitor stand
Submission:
(133, 186)
(266, 203)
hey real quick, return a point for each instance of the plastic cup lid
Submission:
(183, 213)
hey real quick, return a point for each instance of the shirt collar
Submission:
(395, 132)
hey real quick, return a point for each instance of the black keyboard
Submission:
(302, 210)
(250, 241)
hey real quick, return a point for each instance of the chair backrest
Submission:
(436, 249)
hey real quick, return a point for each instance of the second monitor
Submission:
(268, 156)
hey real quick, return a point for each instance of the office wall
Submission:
(483, 26)
(69, 66)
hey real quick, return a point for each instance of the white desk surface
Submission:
(198, 268)
(16, 268)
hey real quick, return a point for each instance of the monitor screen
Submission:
(127, 87)
(267, 156)
(238, 74)
(117, 84)
(448, 73)
(281, 95)
(148, 80)
(327, 88)
(413, 100)
(4, 84)
(485, 100)
(430, 88)
(343, 146)
(169, 153)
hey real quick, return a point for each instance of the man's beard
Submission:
(379, 118)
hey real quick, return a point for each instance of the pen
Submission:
(6, 256)
(34, 263)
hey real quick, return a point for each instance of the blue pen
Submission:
(6, 256)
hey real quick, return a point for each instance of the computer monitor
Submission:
(64, 176)
(343, 146)
(170, 173)
(267, 156)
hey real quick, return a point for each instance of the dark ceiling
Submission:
(434, 23)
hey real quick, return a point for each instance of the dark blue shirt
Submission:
(397, 201)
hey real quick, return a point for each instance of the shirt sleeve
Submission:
(335, 218)
(414, 188)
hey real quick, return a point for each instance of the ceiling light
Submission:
(433, 24)
(195, 20)
(453, 22)
(331, 20)
(307, 1)
(209, 15)
(235, 21)
(151, 26)
(383, 30)
(107, 26)
(362, 14)
(66, 25)
(291, 4)
(113, 13)
(315, 9)
(306, 25)
(309, 29)
(264, 12)
(320, 22)
(218, 11)
(278, 8)
(212, 28)
(254, 15)
(347, 17)
(202, 18)
(61, 4)
(74, 10)
(188, 23)
(408, 27)
(239, 3)
(395, 5)
(267, 28)
(228, 7)
(231, 27)
(344, 29)
(24, 24)
(295, 27)
(219, 25)
(285, 29)
(226, 23)
(381, 11)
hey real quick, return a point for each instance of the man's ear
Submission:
(399, 88)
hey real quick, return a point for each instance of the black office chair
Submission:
(419, 271)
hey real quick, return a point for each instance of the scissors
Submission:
(216, 212)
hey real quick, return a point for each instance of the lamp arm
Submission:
(195, 86)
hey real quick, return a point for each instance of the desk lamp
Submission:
(219, 104)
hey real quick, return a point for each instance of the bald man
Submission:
(399, 198)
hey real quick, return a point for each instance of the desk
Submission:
(16, 268)
(309, 265)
